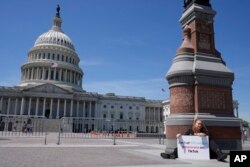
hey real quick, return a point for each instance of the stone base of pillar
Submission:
(224, 130)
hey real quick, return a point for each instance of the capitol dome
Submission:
(53, 60)
(55, 37)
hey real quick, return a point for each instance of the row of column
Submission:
(53, 56)
(153, 114)
(51, 100)
(36, 73)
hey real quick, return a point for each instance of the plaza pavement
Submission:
(32, 152)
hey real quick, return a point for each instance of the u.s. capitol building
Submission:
(51, 86)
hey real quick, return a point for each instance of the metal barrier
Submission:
(101, 128)
(22, 126)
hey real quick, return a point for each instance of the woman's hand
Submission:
(178, 135)
(200, 134)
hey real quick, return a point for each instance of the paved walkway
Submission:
(32, 152)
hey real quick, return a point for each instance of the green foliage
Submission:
(244, 123)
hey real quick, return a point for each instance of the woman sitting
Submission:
(198, 129)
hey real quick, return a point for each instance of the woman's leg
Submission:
(215, 148)
(172, 155)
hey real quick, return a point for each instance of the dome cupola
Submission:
(55, 36)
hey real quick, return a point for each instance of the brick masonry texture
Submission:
(214, 100)
(214, 131)
(182, 99)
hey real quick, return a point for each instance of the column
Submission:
(58, 108)
(43, 73)
(32, 73)
(83, 109)
(16, 106)
(54, 74)
(29, 106)
(159, 114)
(49, 71)
(66, 75)
(90, 109)
(95, 111)
(27, 74)
(8, 107)
(51, 108)
(154, 114)
(64, 110)
(44, 105)
(60, 75)
(70, 77)
(77, 109)
(1, 105)
(37, 104)
(71, 108)
(37, 73)
(22, 106)
(74, 78)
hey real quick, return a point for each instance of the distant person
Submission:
(198, 129)
(244, 134)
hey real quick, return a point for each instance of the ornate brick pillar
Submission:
(200, 83)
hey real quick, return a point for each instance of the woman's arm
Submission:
(188, 132)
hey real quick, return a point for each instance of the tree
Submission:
(244, 123)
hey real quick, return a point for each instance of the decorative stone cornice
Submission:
(196, 11)
(181, 81)
(47, 64)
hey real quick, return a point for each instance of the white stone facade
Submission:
(51, 86)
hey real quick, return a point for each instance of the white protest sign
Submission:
(193, 147)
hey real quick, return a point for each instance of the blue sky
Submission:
(125, 46)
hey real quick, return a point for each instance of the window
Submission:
(130, 107)
(121, 115)
(62, 58)
(62, 76)
(41, 74)
(112, 106)
(48, 55)
(104, 115)
(57, 75)
(104, 106)
(46, 74)
(51, 74)
(121, 107)
(112, 116)
(53, 56)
